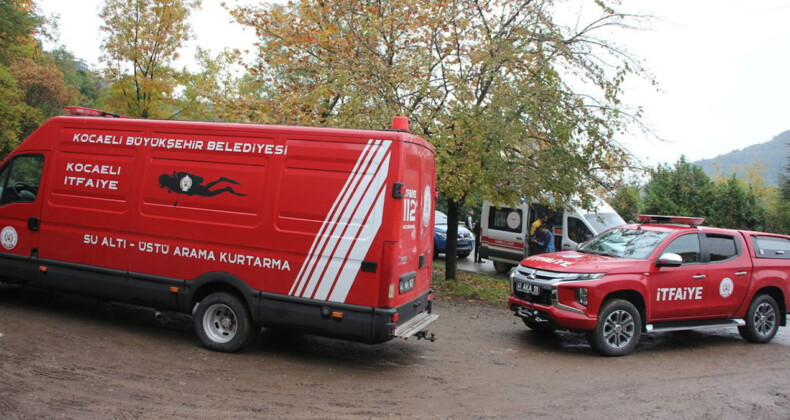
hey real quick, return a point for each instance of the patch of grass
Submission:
(470, 287)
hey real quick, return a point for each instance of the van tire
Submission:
(762, 320)
(223, 323)
(501, 267)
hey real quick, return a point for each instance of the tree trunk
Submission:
(451, 257)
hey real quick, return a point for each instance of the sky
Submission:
(722, 67)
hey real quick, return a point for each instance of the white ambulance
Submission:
(506, 229)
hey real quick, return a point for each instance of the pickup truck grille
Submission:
(542, 276)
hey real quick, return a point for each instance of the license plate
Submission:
(532, 289)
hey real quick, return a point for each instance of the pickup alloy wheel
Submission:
(618, 330)
(762, 320)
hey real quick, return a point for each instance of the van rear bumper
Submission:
(363, 324)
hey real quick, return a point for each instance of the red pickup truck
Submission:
(663, 274)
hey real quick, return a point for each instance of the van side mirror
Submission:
(669, 259)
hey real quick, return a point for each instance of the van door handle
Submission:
(519, 238)
(33, 223)
(699, 276)
(741, 273)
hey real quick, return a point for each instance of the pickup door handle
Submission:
(741, 273)
(699, 276)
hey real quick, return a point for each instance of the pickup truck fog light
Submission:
(581, 296)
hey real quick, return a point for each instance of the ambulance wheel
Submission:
(762, 320)
(501, 267)
(618, 330)
(223, 323)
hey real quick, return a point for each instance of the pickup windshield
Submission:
(624, 243)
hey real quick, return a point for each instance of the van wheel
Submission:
(464, 255)
(223, 323)
(762, 320)
(501, 267)
(618, 330)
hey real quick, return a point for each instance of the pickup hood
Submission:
(577, 262)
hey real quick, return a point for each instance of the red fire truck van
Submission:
(318, 230)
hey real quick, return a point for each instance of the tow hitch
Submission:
(423, 335)
(416, 327)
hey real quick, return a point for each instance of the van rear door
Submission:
(21, 195)
(415, 214)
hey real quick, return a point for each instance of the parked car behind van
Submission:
(466, 241)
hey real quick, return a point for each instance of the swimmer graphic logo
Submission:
(191, 185)
(9, 237)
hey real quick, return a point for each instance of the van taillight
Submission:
(395, 317)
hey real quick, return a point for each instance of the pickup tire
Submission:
(618, 330)
(223, 323)
(762, 320)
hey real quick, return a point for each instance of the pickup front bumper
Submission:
(554, 313)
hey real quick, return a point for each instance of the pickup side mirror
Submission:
(669, 259)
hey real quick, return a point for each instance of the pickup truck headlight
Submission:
(583, 276)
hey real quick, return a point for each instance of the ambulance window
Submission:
(577, 231)
(687, 246)
(505, 219)
(721, 248)
(20, 179)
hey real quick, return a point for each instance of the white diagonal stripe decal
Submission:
(336, 252)
(354, 261)
(320, 240)
(337, 236)
(343, 253)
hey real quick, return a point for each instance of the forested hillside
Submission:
(770, 157)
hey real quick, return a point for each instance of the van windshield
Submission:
(634, 244)
(602, 221)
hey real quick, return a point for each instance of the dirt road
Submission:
(68, 357)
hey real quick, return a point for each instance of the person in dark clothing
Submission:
(469, 220)
(478, 238)
(544, 240)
